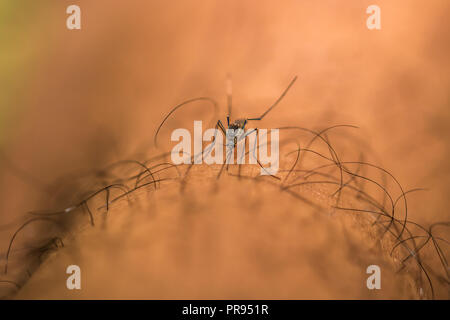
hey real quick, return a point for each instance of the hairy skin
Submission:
(244, 241)
(97, 96)
(175, 239)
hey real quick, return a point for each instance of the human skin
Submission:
(96, 96)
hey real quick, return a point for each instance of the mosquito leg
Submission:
(219, 125)
(242, 137)
(248, 133)
(254, 147)
(277, 101)
(228, 157)
(220, 172)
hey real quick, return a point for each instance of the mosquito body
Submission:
(235, 130)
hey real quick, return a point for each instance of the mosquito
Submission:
(235, 129)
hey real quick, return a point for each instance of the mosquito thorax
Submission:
(237, 124)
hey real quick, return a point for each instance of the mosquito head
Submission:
(237, 124)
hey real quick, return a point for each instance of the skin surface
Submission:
(85, 99)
